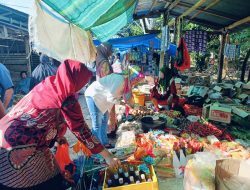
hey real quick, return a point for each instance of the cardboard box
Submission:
(240, 112)
(197, 91)
(221, 113)
(243, 97)
(232, 174)
(217, 88)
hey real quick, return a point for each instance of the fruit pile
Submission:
(141, 111)
(171, 113)
(206, 129)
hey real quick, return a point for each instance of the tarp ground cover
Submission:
(103, 17)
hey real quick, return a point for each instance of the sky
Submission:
(21, 5)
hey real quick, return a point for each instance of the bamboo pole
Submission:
(238, 23)
(221, 56)
(188, 11)
(244, 66)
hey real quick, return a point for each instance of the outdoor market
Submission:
(124, 95)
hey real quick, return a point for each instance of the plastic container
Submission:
(153, 185)
(139, 98)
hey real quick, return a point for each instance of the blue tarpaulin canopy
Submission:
(132, 41)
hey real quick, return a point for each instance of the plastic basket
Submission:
(139, 98)
(141, 186)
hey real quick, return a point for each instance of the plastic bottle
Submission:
(110, 183)
(116, 179)
(120, 171)
(121, 181)
(148, 177)
(131, 179)
(131, 171)
(143, 178)
(137, 177)
(126, 178)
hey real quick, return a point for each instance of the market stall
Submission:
(204, 144)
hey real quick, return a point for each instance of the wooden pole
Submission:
(162, 54)
(221, 56)
(244, 66)
(28, 53)
(248, 79)
(188, 11)
(238, 23)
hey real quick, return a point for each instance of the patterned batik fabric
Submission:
(196, 40)
(25, 136)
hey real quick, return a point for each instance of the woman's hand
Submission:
(62, 140)
(110, 159)
(113, 162)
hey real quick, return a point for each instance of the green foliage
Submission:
(243, 39)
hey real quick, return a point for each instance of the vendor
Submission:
(164, 91)
(101, 96)
(34, 123)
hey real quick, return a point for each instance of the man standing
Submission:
(6, 87)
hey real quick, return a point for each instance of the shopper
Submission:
(23, 86)
(103, 67)
(6, 87)
(35, 122)
(101, 96)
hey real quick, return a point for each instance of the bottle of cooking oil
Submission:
(148, 177)
(143, 178)
(131, 170)
(131, 179)
(120, 171)
(126, 175)
(121, 181)
(137, 176)
(115, 177)
(110, 183)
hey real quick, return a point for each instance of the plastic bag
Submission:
(81, 147)
(62, 156)
(200, 172)
(183, 58)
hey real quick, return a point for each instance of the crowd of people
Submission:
(50, 106)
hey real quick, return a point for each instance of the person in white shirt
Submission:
(102, 95)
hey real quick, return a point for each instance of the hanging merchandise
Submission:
(232, 51)
(183, 58)
(165, 39)
(196, 40)
(68, 42)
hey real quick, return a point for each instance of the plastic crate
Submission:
(141, 186)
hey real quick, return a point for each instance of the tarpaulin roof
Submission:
(103, 17)
(132, 41)
(216, 14)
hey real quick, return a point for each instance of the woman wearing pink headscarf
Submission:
(35, 122)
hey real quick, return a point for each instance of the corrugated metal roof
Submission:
(215, 14)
